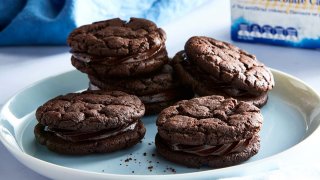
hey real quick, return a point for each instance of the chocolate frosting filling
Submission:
(86, 58)
(75, 136)
(167, 95)
(209, 150)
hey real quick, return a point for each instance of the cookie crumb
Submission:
(149, 144)
(128, 159)
(145, 154)
(153, 155)
(150, 168)
(171, 169)
(132, 171)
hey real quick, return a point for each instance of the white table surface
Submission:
(22, 66)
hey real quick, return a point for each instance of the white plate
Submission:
(291, 118)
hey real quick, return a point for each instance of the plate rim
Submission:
(21, 156)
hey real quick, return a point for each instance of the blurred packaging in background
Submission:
(293, 23)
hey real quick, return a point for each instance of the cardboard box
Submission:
(294, 23)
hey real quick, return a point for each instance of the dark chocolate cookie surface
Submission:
(90, 111)
(205, 84)
(116, 48)
(210, 120)
(229, 64)
(157, 91)
(116, 37)
(150, 84)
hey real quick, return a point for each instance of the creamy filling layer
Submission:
(75, 136)
(209, 150)
(86, 58)
(167, 95)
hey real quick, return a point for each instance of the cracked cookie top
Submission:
(116, 37)
(209, 120)
(229, 64)
(90, 111)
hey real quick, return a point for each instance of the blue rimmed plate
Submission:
(291, 123)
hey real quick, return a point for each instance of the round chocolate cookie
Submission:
(229, 64)
(204, 84)
(157, 91)
(115, 37)
(209, 130)
(91, 121)
(118, 48)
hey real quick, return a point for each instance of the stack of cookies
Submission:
(213, 67)
(221, 127)
(130, 57)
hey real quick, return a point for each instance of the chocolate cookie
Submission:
(118, 48)
(91, 121)
(229, 64)
(210, 130)
(157, 91)
(205, 84)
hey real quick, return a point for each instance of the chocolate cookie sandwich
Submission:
(90, 122)
(209, 131)
(157, 91)
(213, 67)
(116, 48)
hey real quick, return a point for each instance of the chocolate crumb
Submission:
(153, 155)
(171, 169)
(150, 168)
(128, 159)
(132, 171)
(145, 154)
(150, 161)
(157, 162)
(149, 144)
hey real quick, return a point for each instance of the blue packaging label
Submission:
(280, 22)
